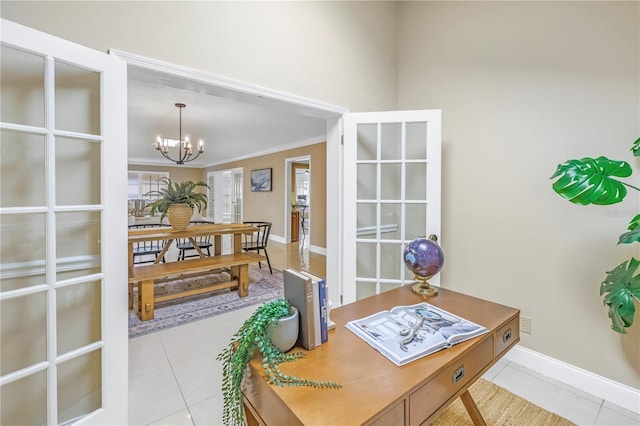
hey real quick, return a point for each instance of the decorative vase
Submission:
(179, 216)
(285, 333)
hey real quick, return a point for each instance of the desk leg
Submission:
(472, 409)
(146, 300)
(241, 273)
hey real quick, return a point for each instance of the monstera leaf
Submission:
(636, 148)
(589, 181)
(634, 232)
(620, 288)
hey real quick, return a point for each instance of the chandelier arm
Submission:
(191, 159)
(185, 152)
(165, 155)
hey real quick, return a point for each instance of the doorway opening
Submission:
(298, 200)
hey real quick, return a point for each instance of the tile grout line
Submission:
(164, 350)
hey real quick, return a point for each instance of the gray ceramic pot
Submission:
(285, 333)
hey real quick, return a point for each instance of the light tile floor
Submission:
(174, 378)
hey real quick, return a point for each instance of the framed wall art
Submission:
(261, 180)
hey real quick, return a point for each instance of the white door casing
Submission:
(64, 225)
(392, 191)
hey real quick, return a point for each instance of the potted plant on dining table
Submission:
(177, 201)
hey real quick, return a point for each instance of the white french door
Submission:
(63, 198)
(392, 171)
(225, 199)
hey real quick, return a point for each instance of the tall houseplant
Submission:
(182, 194)
(592, 181)
(254, 334)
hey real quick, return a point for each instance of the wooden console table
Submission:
(237, 263)
(375, 391)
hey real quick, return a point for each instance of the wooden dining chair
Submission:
(203, 242)
(143, 249)
(258, 240)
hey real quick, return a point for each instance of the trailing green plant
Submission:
(178, 193)
(254, 334)
(593, 181)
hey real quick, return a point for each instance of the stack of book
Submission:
(308, 293)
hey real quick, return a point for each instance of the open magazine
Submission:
(406, 333)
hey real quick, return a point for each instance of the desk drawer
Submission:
(431, 396)
(507, 334)
(395, 416)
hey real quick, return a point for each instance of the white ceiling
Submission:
(232, 126)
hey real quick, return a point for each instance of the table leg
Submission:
(241, 273)
(472, 409)
(197, 247)
(130, 254)
(237, 243)
(130, 295)
(163, 252)
(217, 245)
(146, 300)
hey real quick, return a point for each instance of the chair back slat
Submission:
(203, 241)
(147, 248)
(258, 240)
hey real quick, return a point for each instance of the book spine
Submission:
(310, 317)
(324, 334)
(316, 312)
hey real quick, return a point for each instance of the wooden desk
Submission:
(375, 391)
(236, 262)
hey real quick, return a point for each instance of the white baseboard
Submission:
(607, 389)
(312, 249)
(278, 239)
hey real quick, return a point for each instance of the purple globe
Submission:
(424, 257)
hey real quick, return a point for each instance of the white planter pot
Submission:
(285, 333)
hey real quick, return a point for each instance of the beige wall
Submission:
(269, 206)
(524, 86)
(338, 52)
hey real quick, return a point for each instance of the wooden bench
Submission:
(237, 264)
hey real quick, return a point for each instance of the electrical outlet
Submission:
(525, 325)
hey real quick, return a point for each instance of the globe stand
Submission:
(423, 288)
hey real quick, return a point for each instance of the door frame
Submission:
(258, 95)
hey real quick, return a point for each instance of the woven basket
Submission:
(179, 216)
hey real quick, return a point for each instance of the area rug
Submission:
(498, 406)
(263, 286)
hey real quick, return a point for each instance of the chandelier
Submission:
(185, 151)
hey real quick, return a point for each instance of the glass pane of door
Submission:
(58, 245)
(22, 85)
(237, 196)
